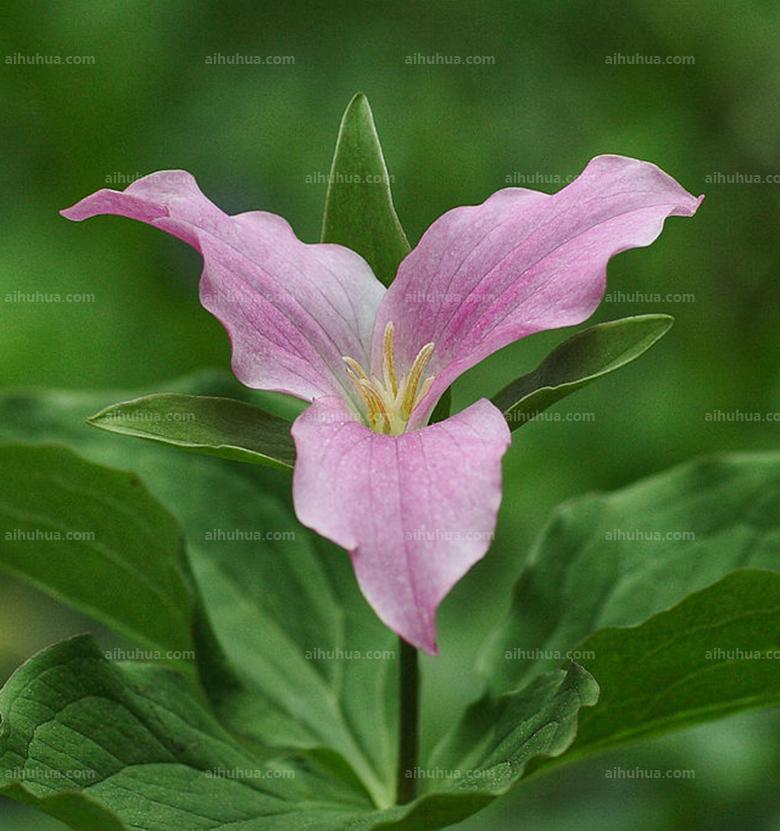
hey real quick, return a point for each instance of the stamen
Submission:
(410, 393)
(352, 375)
(388, 364)
(355, 367)
(389, 401)
(375, 402)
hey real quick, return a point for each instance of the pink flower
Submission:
(415, 504)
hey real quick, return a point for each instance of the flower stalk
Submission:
(409, 728)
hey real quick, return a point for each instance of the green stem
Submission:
(410, 722)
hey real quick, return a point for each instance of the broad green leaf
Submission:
(115, 747)
(617, 559)
(96, 538)
(359, 210)
(286, 610)
(577, 362)
(76, 810)
(713, 654)
(539, 720)
(207, 424)
(622, 560)
(484, 762)
(104, 747)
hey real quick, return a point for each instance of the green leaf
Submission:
(617, 559)
(623, 560)
(501, 734)
(714, 654)
(76, 810)
(206, 424)
(579, 361)
(493, 753)
(97, 539)
(129, 746)
(359, 210)
(107, 747)
(285, 607)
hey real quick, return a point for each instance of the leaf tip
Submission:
(666, 321)
(358, 107)
(102, 419)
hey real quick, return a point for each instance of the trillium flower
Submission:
(414, 503)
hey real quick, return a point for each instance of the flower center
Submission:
(390, 401)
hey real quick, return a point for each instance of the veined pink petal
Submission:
(416, 511)
(292, 310)
(486, 275)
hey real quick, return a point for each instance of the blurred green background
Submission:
(549, 95)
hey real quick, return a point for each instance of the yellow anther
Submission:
(376, 405)
(355, 367)
(362, 393)
(388, 364)
(415, 373)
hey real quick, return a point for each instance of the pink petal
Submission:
(416, 511)
(486, 275)
(292, 310)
